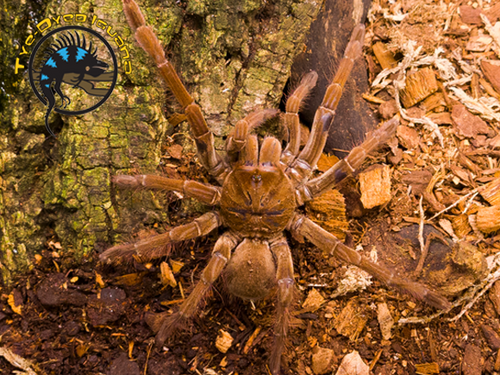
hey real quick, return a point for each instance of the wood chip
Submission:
(326, 161)
(418, 180)
(470, 15)
(472, 362)
(461, 225)
(384, 56)
(15, 301)
(488, 219)
(313, 301)
(322, 360)
(468, 125)
(224, 341)
(491, 192)
(494, 294)
(176, 265)
(175, 151)
(167, 276)
(492, 74)
(351, 320)
(419, 85)
(491, 337)
(408, 137)
(352, 364)
(479, 43)
(375, 186)
(328, 211)
(17, 361)
(427, 368)
(385, 320)
(388, 109)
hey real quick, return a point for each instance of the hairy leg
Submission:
(204, 193)
(291, 117)
(308, 158)
(165, 326)
(154, 247)
(347, 166)
(284, 277)
(203, 136)
(237, 138)
(327, 242)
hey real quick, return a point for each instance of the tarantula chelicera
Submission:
(262, 188)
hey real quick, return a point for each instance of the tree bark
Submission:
(234, 57)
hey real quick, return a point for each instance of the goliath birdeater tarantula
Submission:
(263, 188)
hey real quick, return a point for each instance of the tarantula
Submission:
(262, 188)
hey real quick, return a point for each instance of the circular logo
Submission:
(72, 70)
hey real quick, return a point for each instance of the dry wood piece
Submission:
(479, 43)
(491, 192)
(328, 211)
(388, 109)
(352, 364)
(435, 102)
(167, 277)
(322, 360)
(224, 341)
(385, 320)
(494, 294)
(492, 74)
(313, 301)
(351, 320)
(408, 137)
(419, 85)
(418, 180)
(491, 337)
(427, 368)
(385, 57)
(375, 186)
(468, 125)
(471, 364)
(470, 15)
(461, 225)
(488, 219)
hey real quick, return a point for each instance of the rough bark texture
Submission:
(326, 43)
(234, 56)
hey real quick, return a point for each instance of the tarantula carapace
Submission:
(263, 188)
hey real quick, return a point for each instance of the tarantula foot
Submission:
(164, 326)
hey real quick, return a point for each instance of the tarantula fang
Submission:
(262, 187)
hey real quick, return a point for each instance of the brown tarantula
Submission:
(262, 189)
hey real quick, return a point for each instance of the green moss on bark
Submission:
(234, 57)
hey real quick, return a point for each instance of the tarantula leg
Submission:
(284, 275)
(291, 117)
(308, 158)
(317, 186)
(220, 256)
(327, 242)
(154, 247)
(203, 136)
(250, 154)
(237, 138)
(204, 193)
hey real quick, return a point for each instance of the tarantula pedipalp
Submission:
(262, 188)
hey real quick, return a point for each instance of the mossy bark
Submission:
(234, 57)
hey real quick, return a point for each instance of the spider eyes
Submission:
(256, 178)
